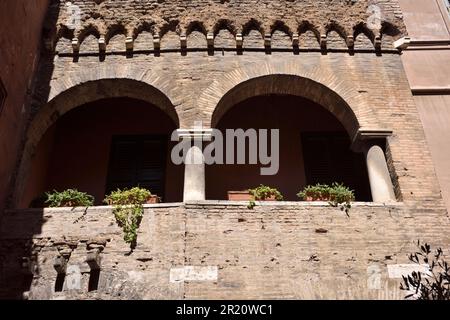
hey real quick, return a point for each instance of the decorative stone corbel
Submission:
(183, 41)
(239, 41)
(267, 40)
(156, 42)
(93, 259)
(129, 44)
(295, 40)
(75, 45)
(323, 42)
(210, 40)
(102, 44)
(377, 43)
(60, 264)
(350, 42)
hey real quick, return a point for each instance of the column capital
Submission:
(194, 134)
(364, 135)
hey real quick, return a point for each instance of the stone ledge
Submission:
(94, 208)
(207, 203)
(301, 204)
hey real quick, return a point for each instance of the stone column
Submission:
(194, 175)
(194, 163)
(379, 177)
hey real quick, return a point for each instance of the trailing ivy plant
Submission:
(262, 193)
(129, 210)
(337, 195)
(68, 198)
(433, 284)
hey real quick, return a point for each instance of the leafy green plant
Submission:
(432, 285)
(262, 193)
(69, 198)
(342, 197)
(129, 210)
(319, 192)
(337, 195)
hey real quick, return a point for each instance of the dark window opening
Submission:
(93, 280)
(328, 158)
(59, 283)
(138, 161)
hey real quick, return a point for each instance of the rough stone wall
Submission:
(219, 250)
(20, 24)
(130, 17)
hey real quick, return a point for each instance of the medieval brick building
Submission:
(93, 101)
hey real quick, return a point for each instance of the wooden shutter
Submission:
(138, 161)
(328, 159)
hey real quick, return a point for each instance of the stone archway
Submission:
(71, 92)
(315, 83)
(321, 86)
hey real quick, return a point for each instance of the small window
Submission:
(2, 95)
(447, 4)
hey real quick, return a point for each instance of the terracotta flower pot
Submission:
(310, 199)
(239, 196)
(271, 198)
(245, 196)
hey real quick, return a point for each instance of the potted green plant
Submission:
(318, 192)
(68, 198)
(263, 193)
(131, 196)
(337, 195)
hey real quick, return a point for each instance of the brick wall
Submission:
(21, 24)
(291, 251)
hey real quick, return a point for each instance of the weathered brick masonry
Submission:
(292, 251)
(186, 57)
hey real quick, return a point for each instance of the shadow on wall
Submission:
(68, 158)
(18, 250)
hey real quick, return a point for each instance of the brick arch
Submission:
(73, 91)
(316, 84)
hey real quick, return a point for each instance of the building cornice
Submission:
(406, 43)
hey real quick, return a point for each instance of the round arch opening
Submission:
(102, 145)
(314, 145)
